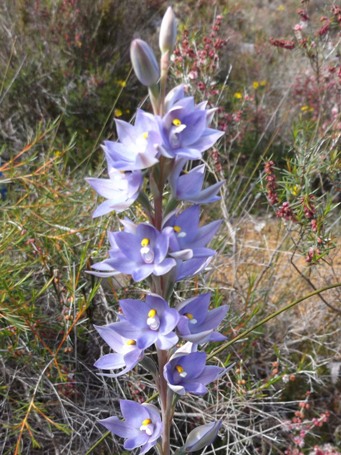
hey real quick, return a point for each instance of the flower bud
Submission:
(167, 37)
(202, 436)
(144, 63)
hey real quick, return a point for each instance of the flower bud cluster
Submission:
(301, 426)
(201, 61)
(283, 43)
(271, 185)
(286, 212)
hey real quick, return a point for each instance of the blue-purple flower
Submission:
(189, 186)
(185, 132)
(139, 251)
(197, 323)
(188, 241)
(188, 372)
(141, 426)
(138, 144)
(149, 322)
(127, 354)
(187, 234)
(120, 190)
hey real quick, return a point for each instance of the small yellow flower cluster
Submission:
(259, 84)
(295, 190)
(306, 108)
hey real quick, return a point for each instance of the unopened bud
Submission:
(202, 436)
(144, 63)
(167, 37)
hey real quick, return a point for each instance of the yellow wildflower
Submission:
(295, 191)
(238, 95)
(118, 113)
(307, 108)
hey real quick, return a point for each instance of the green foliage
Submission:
(68, 59)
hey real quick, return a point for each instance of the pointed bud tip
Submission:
(168, 30)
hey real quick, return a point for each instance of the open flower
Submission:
(139, 251)
(121, 190)
(127, 354)
(187, 242)
(197, 323)
(137, 146)
(152, 321)
(141, 426)
(187, 234)
(185, 132)
(189, 186)
(188, 372)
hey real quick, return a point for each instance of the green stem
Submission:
(97, 443)
(164, 64)
(268, 318)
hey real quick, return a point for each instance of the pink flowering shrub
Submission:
(316, 90)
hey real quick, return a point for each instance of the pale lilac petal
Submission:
(164, 267)
(110, 362)
(110, 205)
(209, 374)
(143, 272)
(133, 412)
(135, 311)
(166, 342)
(137, 441)
(116, 426)
(196, 388)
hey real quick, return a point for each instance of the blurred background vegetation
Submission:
(275, 75)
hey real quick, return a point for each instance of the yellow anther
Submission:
(152, 313)
(145, 242)
(177, 229)
(146, 422)
(176, 122)
(131, 342)
(145, 135)
(189, 315)
(179, 369)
